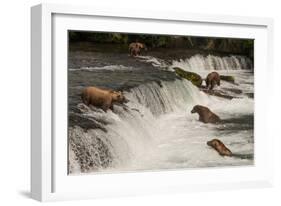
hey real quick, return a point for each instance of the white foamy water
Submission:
(157, 131)
(156, 62)
(200, 62)
(210, 62)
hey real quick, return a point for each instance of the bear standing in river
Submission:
(205, 114)
(135, 48)
(212, 79)
(219, 147)
(102, 98)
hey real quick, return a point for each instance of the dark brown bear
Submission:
(205, 114)
(135, 48)
(102, 98)
(219, 147)
(212, 79)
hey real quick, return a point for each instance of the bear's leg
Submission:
(207, 83)
(111, 107)
(86, 100)
(136, 52)
(213, 82)
(202, 118)
(205, 120)
(131, 52)
(104, 107)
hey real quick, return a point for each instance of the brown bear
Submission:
(205, 114)
(212, 79)
(219, 147)
(102, 98)
(135, 48)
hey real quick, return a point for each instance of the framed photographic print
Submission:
(137, 102)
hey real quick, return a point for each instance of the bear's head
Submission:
(220, 147)
(195, 109)
(213, 143)
(141, 46)
(118, 97)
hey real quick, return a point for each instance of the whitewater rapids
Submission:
(156, 130)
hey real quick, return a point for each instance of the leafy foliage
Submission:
(190, 76)
(231, 45)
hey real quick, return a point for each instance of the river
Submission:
(155, 130)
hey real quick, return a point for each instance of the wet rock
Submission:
(85, 122)
(194, 78)
(227, 78)
(89, 150)
(217, 93)
(250, 95)
(244, 156)
(234, 90)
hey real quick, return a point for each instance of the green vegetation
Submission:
(227, 78)
(229, 45)
(196, 79)
(190, 76)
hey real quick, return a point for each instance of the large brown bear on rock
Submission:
(205, 114)
(102, 98)
(135, 48)
(212, 79)
(219, 147)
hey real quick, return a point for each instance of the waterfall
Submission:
(211, 62)
(131, 129)
(155, 129)
(166, 97)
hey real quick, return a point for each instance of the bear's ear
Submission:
(216, 143)
(114, 92)
(117, 93)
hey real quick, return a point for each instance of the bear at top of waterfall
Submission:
(135, 48)
(205, 114)
(102, 98)
(212, 79)
(219, 147)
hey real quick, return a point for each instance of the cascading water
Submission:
(156, 130)
(211, 62)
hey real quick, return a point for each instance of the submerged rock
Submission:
(250, 95)
(194, 78)
(234, 90)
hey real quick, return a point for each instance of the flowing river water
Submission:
(155, 130)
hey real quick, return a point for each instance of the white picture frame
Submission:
(49, 181)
